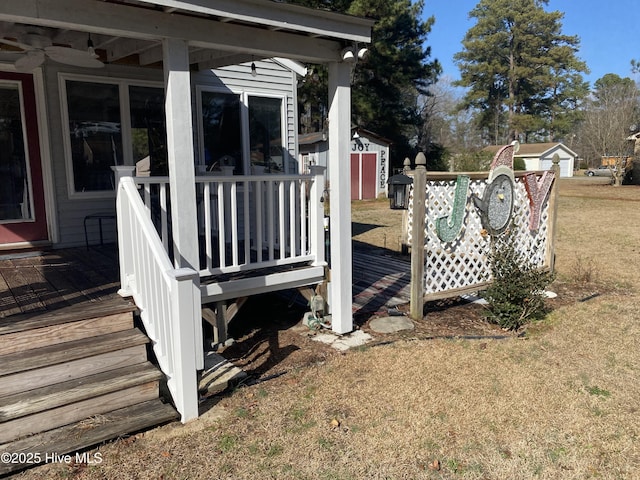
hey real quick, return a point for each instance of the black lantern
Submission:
(398, 188)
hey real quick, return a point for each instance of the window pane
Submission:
(148, 130)
(96, 140)
(222, 130)
(15, 201)
(265, 130)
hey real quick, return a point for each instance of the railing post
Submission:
(125, 251)
(316, 215)
(184, 311)
(417, 237)
(121, 171)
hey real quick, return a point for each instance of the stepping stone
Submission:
(218, 375)
(391, 324)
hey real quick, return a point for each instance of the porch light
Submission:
(398, 187)
(254, 71)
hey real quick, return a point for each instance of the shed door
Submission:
(22, 209)
(369, 176)
(364, 175)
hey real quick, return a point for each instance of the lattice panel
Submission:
(463, 263)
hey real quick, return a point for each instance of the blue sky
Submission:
(608, 32)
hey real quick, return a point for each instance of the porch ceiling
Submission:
(221, 32)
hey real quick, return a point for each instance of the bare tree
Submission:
(608, 116)
(445, 123)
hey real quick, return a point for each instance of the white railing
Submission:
(168, 298)
(248, 222)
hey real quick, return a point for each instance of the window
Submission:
(148, 130)
(95, 136)
(265, 132)
(222, 131)
(112, 122)
(244, 131)
(15, 192)
(308, 161)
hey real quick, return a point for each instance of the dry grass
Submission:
(562, 403)
(374, 223)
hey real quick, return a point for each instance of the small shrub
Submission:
(584, 270)
(519, 164)
(516, 295)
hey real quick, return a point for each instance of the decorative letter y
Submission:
(537, 191)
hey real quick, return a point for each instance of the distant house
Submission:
(538, 156)
(369, 159)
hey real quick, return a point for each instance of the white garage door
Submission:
(566, 169)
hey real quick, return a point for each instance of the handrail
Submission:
(248, 222)
(168, 298)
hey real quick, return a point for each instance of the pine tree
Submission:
(522, 72)
(387, 84)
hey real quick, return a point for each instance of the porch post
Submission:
(182, 177)
(180, 152)
(340, 291)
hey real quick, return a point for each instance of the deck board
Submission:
(21, 289)
(58, 278)
(381, 281)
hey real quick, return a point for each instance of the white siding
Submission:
(272, 79)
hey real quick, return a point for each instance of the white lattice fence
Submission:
(461, 265)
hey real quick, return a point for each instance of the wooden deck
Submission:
(46, 281)
(40, 281)
(380, 281)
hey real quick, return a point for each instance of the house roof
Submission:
(311, 138)
(368, 133)
(292, 65)
(316, 137)
(219, 33)
(533, 149)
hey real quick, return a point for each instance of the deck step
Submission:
(82, 367)
(81, 311)
(65, 414)
(52, 396)
(64, 332)
(69, 351)
(89, 432)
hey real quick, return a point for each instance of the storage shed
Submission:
(369, 160)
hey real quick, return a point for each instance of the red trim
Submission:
(29, 231)
(355, 176)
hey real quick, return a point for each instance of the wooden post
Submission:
(553, 211)
(180, 152)
(417, 237)
(341, 293)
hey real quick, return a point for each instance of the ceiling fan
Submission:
(36, 47)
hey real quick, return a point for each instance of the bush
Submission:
(516, 295)
(472, 161)
(519, 164)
